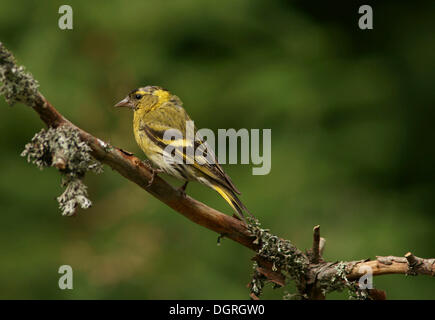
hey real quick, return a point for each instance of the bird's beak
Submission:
(125, 103)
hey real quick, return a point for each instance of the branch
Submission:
(316, 245)
(408, 265)
(276, 260)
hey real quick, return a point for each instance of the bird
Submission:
(156, 111)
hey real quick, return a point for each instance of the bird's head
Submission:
(145, 98)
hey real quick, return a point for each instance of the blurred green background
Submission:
(352, 140)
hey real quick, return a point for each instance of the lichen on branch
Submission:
(287, 262)
(75, 195)
(338, 282)
(16, 85)
(62, 148)
(285, 258)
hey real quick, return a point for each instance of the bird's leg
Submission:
(182, 189)
(154, 172)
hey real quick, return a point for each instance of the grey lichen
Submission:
(292, 296)
(62, 148)
(282, 253)
(257, 282)
(339, 282)
(75, 195)
(16, 85)
(292, 263)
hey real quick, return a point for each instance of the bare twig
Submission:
(316, 245)
(394, 265)
(322, 245)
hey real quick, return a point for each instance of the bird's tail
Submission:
(232, 199)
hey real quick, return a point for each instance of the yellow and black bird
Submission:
(157, 111)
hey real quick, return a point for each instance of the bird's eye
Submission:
(138, 96)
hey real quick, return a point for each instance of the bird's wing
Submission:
(202, 158)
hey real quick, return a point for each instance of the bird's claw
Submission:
(154, 172)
